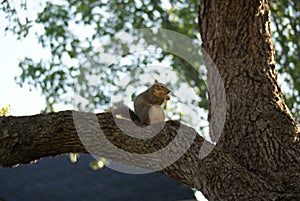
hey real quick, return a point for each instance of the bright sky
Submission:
(21, 100)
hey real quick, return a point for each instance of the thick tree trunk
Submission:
(260, 137)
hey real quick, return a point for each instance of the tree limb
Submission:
(29, 138)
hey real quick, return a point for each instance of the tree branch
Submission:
(173, 148)
(170, 147)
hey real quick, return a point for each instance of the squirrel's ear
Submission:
(156, 82)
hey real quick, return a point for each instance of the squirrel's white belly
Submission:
(156, 114)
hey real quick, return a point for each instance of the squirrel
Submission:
(147, 105)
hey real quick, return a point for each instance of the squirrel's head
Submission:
(160, 89)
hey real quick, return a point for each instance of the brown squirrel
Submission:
(147, 105)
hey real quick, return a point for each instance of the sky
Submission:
(22, 101)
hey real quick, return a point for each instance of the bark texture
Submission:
(29, 138)
(260, 140)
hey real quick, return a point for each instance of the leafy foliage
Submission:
(4, 111)
(59, 27)
(286, 34)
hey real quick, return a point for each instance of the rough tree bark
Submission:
(257, 156)
(260, 140)
(26, 139)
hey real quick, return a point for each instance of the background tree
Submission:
(58, 27)
(257, 155)
(285, 32)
